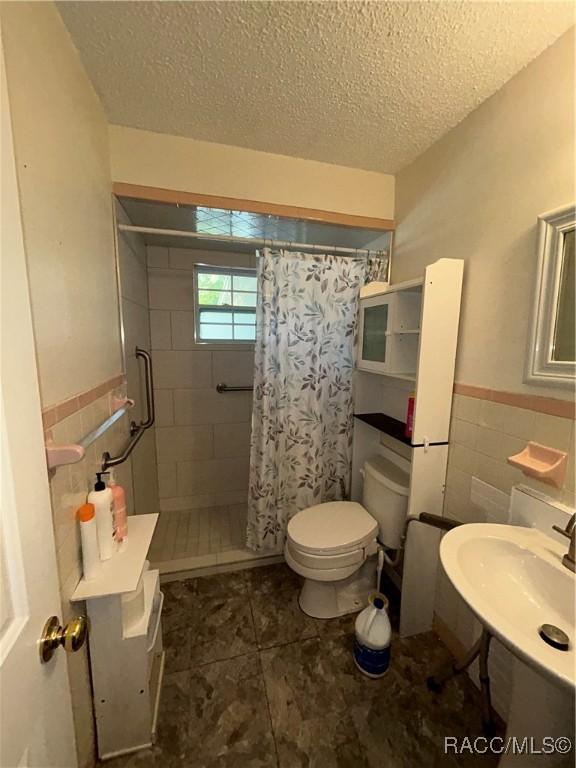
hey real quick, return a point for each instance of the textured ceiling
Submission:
(363, 84)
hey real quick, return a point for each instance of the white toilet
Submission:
(331, 545)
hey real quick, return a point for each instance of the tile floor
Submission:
(252, 682)
(200, 538)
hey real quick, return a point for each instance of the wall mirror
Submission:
(551, 356)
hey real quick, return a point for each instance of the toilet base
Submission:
(330, 599)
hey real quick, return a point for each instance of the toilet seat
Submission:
(330, 570)
(333, 528)
(334, 560)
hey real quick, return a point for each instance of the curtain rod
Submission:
(247, 240)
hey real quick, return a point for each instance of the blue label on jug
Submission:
(372, 662)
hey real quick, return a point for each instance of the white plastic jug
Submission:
(373, 633)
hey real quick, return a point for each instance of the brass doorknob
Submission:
(71, 637)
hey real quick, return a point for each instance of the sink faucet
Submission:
(569, 559)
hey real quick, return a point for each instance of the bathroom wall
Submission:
(175, 162)
(62, 159)
(476, 195)
(202, 437)
(133, 278)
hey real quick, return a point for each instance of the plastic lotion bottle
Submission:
(102, 499)
(120, 516)
(90, 554)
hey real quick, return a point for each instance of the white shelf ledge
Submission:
(407, 285)
(403, 376)
(122, 572)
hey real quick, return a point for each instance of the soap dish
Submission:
(540, 461)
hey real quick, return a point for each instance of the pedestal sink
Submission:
(514, 581)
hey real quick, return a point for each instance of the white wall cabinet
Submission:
(389, 330)
(126, 652)
(375, 334)
(422, 335)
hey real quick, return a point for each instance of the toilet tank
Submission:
(385, 496)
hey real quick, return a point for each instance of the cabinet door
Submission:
(375, 324)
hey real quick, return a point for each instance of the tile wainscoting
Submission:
(553, 406)
(484, 432)
(55, 413)
(69, 486)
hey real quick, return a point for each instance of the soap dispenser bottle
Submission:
(102, 499)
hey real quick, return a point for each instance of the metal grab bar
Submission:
(225, 388)
(150, 415)
(136, 430)
(113, 461)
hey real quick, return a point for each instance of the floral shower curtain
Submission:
(302, 419)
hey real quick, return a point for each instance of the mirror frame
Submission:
(541, 369)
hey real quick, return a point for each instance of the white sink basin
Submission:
(514, 581)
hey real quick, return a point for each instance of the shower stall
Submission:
(187, 277)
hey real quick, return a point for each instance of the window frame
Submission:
(541, 369)
(232, 271)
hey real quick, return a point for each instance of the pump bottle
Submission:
(102, 499)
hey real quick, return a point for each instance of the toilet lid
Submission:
(335, 526)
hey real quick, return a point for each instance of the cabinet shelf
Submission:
(408, 286)
(405, 376)
(392, 427)
(386, 424)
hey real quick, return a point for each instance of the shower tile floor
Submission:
(251, 681)
(200, 538)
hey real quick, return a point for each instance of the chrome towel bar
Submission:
(59, 455)
(221, 388)
(91, 437)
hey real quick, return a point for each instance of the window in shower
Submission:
(225, 304)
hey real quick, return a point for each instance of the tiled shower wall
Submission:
(202, 437)
(478, 485)
(69, 486)
(133, 276)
